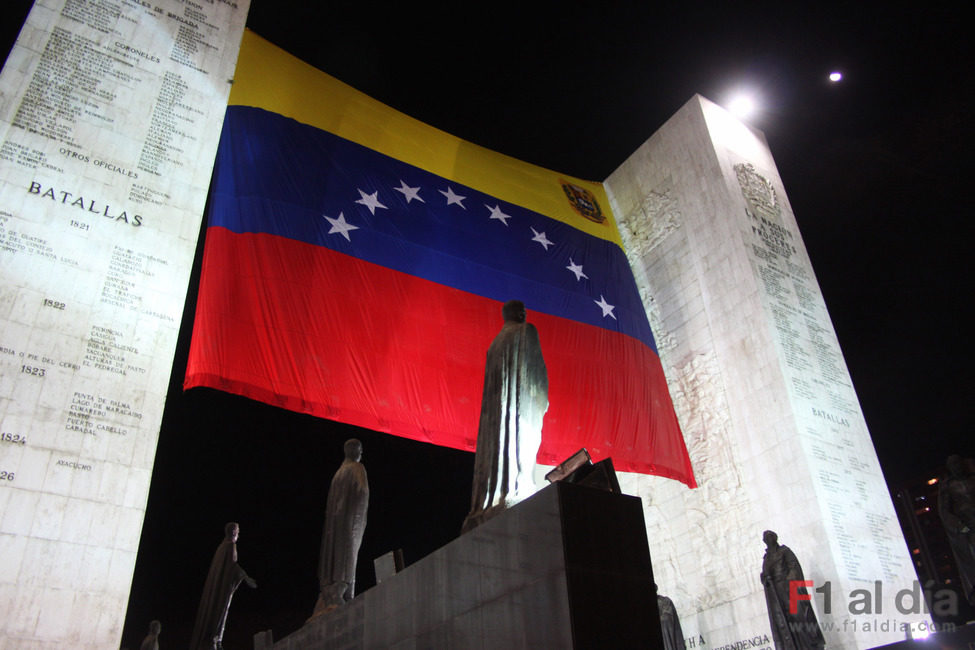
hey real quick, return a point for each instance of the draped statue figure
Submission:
(224, 577)
(513, 405)
(151, 641)
(798, 631)
(670, 628)
(956, 506)
(345, 522)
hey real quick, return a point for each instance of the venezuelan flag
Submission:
(356, 261)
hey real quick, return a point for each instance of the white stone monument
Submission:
(110, 113)
(772, 423)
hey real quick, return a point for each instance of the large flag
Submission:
(356, 262)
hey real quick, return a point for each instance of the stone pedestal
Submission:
(567, 568)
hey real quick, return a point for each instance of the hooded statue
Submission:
(345, 522)
(224, 577)
(670, 629)
(799, 631)
(151, 642)
(513, 405)
(956, 507)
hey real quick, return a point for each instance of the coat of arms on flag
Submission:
(583, 202)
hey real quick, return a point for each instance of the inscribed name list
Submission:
(109, 118)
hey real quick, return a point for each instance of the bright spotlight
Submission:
(835, 76)
(741, 106)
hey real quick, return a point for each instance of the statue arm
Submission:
(951, 521)
(243, 577)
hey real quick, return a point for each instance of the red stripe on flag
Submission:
(317, 331)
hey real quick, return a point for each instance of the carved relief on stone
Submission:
(656, 217)
(664, 337)
(698, 393)
(699, 398)
(758, 191)
(641, 231)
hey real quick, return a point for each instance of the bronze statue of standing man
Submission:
(513, 405)
(790, 631)
(224, 577)
(345, 522)
(670, 629)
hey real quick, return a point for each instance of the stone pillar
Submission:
(110, 114)
(772, 423)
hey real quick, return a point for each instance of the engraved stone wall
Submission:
(761, 390)
(109, 117)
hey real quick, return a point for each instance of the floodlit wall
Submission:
(771, 420)
(109, 118)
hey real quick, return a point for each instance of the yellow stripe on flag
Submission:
(268, 77)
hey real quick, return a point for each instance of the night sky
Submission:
(873, 167)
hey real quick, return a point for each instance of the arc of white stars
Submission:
(453, 198)
(606, 307)
(340, 226)
(496, 213)
(371, 201)
(542, 239)
(409, 192)
(576, 270)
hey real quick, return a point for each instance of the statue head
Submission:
(770, 538)
(231, 531)
(513, 311)
(155, 627)
(956, 466)
(353, 450)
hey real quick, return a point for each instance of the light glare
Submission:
(835, 76)
(741, 106)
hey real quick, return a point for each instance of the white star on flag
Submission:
(340, 226)
(409, 192)
(453, 198)
(497, 214)
(542, 239)
(606, 307)
(371, 201)
(577, 270)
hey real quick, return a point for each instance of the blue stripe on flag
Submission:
(278, 176)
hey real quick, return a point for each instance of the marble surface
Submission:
(771, 420)
(109, 117)
(567, 567)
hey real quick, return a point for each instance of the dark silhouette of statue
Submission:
(513, 405)
(224, 577)
(799, 631)
(669, 623)
(956, 506)
(151, 642)
(345, 522)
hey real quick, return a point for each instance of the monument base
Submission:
(948, 637)
(568, 567)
